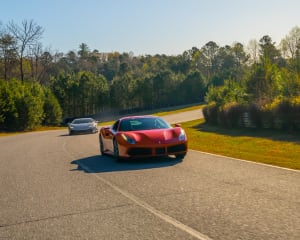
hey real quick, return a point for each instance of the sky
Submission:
(152, 26)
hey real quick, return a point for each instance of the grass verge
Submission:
(264, 146)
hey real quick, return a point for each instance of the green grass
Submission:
(264, 146)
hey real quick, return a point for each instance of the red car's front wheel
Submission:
(116, 149)
(101, 145)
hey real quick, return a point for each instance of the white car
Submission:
(83, 125)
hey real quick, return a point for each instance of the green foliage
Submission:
(8, 110)
(81, 94)
(229, 115)
(122, 90)
(32, 112)
(281, 114)
(254, 115)
(23, 106)
(229, 92)
(210, 113)
(232, 115)
(289, 83)
(52, 109)
(193, 87)
(268, 50)
(262, 85)
(287, 114)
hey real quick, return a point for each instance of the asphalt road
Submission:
(55, 186)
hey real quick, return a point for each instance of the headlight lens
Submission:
(128, 139)
(182, 135)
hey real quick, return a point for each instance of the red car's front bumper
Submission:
(136, 151)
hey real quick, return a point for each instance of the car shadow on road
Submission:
(99, 164)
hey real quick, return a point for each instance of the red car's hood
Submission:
(156, 135)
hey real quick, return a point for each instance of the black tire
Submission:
(180, 156)
(116, 150)
(101, 145)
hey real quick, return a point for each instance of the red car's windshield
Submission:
(137, 124)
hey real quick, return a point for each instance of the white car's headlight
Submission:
(182, 135)
(71, 126)
(128, 139)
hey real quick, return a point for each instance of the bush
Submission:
(255, 115)
(283, 116)
(8, 110)
(52, 109)
(295, 103)
(232, 114)
(210, 113)
(25, 106)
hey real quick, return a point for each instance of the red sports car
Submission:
(142, 136)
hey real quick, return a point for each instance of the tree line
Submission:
(89, 82)
(267, 95)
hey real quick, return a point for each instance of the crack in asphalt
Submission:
(63, 215)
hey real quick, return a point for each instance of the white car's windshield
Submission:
(85, 120)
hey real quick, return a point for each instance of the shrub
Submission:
(255, 115)
(52, 109)
(295, 108)
(210, 113)
(283, 115)
(233, 114)
(21, 105)
(31, 106)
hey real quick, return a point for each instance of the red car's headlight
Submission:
(128, 139)
(182, 136)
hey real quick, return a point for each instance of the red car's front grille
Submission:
(177, 148)
(140, 151)
(157, 151)
(161, 150)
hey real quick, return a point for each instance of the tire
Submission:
(180, 156)
(101, 145)
(116, 150)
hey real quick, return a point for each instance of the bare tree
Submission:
(253, 50)
(26, 35)
(7, 52)
(290, 43)
(35, 52)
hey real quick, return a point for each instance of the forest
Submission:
(41, 87)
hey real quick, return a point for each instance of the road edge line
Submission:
(247, 161)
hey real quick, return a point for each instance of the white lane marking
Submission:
(151, 209)
(247, 161)
(142, 204)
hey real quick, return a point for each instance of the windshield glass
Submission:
(83, 120)
(136, 124)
